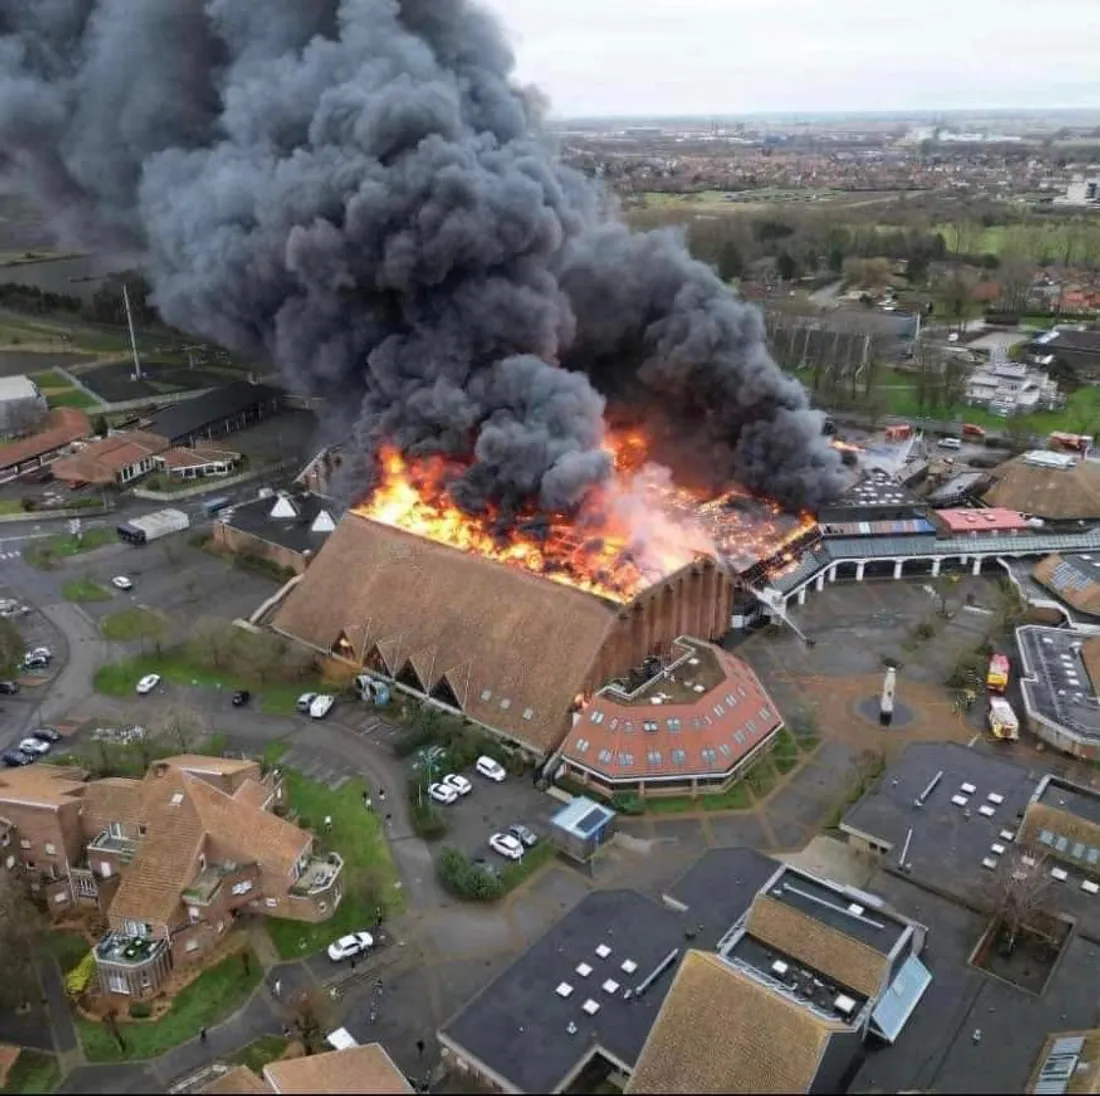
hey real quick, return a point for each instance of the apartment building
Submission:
(171, 859)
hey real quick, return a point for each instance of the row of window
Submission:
(49, 847)
(672, 724)
(1087, 854)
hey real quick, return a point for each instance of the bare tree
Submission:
(1020, 893)
(312, 1014)
(21, 927)
(944, 587)
(176, 726)
(11, 648)
(213, 642)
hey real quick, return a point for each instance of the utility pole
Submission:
(133, 338)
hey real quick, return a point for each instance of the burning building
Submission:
(508, 648)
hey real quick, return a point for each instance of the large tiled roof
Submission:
(719, 1030)
(102, 461)
(812, 942)
(706, 736)
(515, 649)
(1076, 580)
(113, 799)
(49, 785)
(64, 425)
(237, 1081)
(1055, 493)
(356, 1069)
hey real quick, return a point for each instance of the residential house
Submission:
(353, 1069)
(1011, 388)
(64, 426)
(113, 461)
(170, 859)
(197, 462)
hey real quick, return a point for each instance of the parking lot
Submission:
(173, 577)
(36, 631)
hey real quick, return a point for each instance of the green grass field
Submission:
(47, 553)
(356, 834)
(71, 397)
(33, 1072)
(214, 995)
(129, 625)
(119, 679)
(50, 379)
(84, 591)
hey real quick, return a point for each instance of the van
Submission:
(949, 443)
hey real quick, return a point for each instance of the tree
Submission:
(785, 266)
(312, 1014)
(1020, 893)
(99, 425)
(175, 726)
(213, 643)
(21, 927)
(730, 263)
(944, 587)
(11, 648)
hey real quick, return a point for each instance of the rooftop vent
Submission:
(610, 986)
(855, 909)
(628, 966)
(844, 1005)
(584, 970)
(591, 1007)
(177, 799)
(603, 951)
(780, 968)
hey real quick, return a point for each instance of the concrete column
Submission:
(802, 596)
(832, 573)
(977, 565)
(859, 570)
(820, 582)
(898, 568)
(936, 567)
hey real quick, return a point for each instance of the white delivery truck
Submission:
(1002, 720)
(153, 526)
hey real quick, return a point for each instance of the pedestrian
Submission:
(382, 794)
(277, 987)
(977, 1036)
(389, 818)
(202, 1035)
(353, 962)
(328, 822)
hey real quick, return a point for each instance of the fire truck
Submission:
(972, 432)
(996, 678)
(901, 431)
(1070, 443)
(1002, 720)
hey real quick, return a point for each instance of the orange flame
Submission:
(846, 446)
(628, 534)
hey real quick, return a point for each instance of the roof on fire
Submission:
(513, 648)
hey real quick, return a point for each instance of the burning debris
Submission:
(357, 190)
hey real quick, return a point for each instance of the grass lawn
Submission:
(45, 553)
(533, 859)
(50, 379)
(119, 679)
(211, 997)
(268, 1048)
(33, 1072)
(11, 506)
(761, 778)
(357, 836)
(128, 625)
(84, 590)
(736, 798)
(68, 948)
(70, 397)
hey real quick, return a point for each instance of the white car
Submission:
(34, 746)
(491, 769)
(355, 943)
(304, 702)
(459, 783)
(148, 683)
(442, 793)
(321, 705)
(41, 652)
(121, 582)
(506, 845)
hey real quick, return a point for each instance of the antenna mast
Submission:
(133, 338)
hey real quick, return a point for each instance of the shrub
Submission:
(464, 879)
(140, 1010)
(628, 803)
(80, 977)
(428, 821)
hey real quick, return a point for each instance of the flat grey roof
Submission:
(293, 533)
(1056, 684)
(1072, 799)
(518, 1025)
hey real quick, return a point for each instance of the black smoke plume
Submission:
(358, 191)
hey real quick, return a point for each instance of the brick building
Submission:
(170, 859)
(114, 461)
(287, 530)
(64, 426)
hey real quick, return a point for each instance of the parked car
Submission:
(442, 793)
(305, 701)
(14, 610)
(35, 747)
(35, 662)
(321, 706)
(506, 845)
(121, 582)
(241, 698)
(8, 688)
(148, 683)
(46, 734)
(14, 759)
(43, 652)
(354, 944)
(459, 783)
(491, 769)
(526, 836)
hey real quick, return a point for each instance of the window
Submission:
(1061, 844)
(5, 841)
(1093, 856)
(654, 757)
(117, 983)
(193, 915)
(730, 699)
(323, 907)
(135, 928)
(674, 725)
(605, 755)
(597, 717)
(271, 903)
(85, 886)
(24, 844)
(1046, 838)
(628, 726)
(626, 760)
(718, 710)
(650, 725)
(105, 869)
(142, 830)
(725, 750)
(51, 849)
(221, 927)
(678, 757)
(582, 745)
(114, 829)
(1078, 852)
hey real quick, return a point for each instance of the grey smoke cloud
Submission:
(359, 191)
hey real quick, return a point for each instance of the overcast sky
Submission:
(740, 56)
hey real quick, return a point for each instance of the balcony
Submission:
(318, 875)
(107, 842)
(132, 951)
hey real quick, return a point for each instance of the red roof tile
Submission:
(64, 426)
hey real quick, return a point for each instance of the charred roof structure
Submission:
(506, 648)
